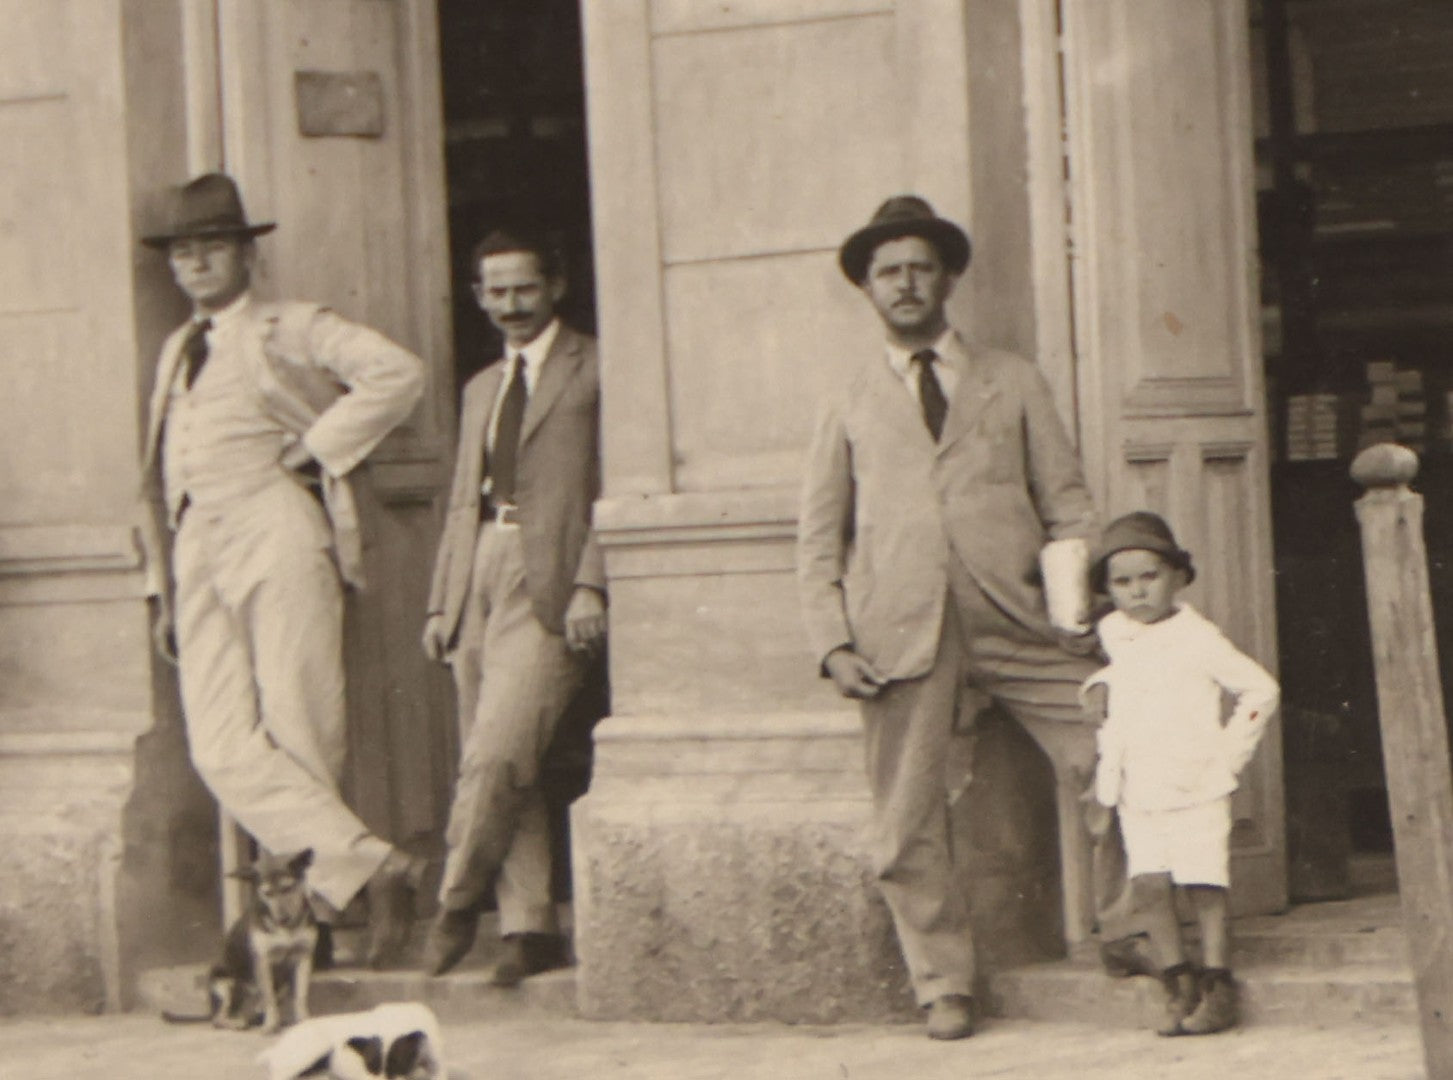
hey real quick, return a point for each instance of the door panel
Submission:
(1172, 405)
(359, 204)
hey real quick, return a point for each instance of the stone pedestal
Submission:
(720, 873)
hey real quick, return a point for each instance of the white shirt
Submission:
(949, 345)
(1163, 745)
(534, 353)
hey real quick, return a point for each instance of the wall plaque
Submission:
(339, 103)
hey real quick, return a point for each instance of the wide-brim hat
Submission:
(1140, 531)
(904, 215)
(207, 206)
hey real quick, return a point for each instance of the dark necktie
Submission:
(930, 393)
(196, 351)
(507, 436)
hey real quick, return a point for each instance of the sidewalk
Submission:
(137, 1047)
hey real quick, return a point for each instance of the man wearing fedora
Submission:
(259, 414)
(517, 605)
(938, 478)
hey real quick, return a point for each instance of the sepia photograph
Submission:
(726, 539)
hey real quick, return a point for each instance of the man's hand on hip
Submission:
(436, 638)
(585, 620)
(854, 676)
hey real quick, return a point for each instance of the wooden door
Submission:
(1172, 407)
(331, 120)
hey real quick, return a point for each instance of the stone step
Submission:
(1076, 990)
(463, 994)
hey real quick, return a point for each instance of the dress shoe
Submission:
(450, 939)
(527, 954)
(951, 1017)
(390, 893)
(1127, 956)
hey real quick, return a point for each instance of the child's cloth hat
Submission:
(1139, 531)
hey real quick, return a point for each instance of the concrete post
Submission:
(1414, 731)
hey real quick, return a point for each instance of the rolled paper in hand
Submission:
(1064, 566)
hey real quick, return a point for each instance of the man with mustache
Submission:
(937, 475)
(517, 606)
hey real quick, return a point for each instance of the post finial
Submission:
(1385, 465)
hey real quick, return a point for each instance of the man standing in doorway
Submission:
(517, 606)
(260, 413)
(937, 474)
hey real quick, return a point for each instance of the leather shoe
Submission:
(951, 1017)
(527, 954)
(450, 939)
(390, 893)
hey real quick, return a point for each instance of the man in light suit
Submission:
(937, 474)
(260, 414)
(517, 605)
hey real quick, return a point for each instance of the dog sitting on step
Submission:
(270, 952)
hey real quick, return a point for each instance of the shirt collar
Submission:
(228, 314)
(948, 348)
(536, 351)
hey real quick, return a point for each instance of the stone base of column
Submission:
(721, 870)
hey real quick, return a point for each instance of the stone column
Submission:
(105, 837)
(719, 857)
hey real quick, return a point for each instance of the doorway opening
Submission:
(1354, 140)
(516, 155)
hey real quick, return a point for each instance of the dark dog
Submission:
(270, 952)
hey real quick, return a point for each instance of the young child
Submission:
(1168, 763)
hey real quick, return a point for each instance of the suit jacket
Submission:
(883, 506)
(557, 481)
(337, 386)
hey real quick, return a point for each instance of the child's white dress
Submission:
(1167, 761)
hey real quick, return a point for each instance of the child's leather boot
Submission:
(1218, 1008)
(1183, 995)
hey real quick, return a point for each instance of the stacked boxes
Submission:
(1397, 409)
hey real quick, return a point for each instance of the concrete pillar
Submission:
(104, 833)
(719, 855)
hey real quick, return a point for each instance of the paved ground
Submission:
(142, 1048)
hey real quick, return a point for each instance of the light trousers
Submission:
(259, 612)
(515, 680)
(908, 728)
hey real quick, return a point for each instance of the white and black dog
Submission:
(391, 1042)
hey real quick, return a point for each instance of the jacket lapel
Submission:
(555, 375)
(977, 387)
(166, 372)
(890, 401)
(474, 423)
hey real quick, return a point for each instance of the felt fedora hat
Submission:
(1140, 531)
(207, 206)
(904, 215)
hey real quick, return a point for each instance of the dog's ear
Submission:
(301, 861)
(403, 1055)
(370, 1049)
